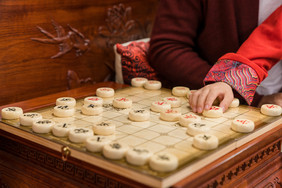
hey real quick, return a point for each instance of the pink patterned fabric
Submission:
(240, 77)
(134, 61)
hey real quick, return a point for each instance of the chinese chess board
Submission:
(157, 135)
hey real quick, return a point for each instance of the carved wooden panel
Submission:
(41, 40)
(124, 23)
(65, 40)
(255, 164)
(74, 81)
(49, 170)
(246, 166)
(273, 181)
(120, 26)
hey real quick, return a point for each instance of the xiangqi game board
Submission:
(156, 135)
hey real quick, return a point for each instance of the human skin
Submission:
(203, 98)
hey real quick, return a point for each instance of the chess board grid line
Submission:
(98, 161)
(75, 148)
(163, 183)
(168, 125)
(153, 141)
(140, 136)
(197, 165)
(241, 138)
(261, 130)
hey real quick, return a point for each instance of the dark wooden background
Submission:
(27, 69)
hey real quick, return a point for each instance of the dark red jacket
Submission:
(190, 35)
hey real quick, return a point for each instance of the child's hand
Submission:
(204, 97)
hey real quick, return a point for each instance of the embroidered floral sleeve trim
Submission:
(240, 77)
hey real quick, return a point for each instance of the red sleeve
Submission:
(173, 43)
(263, 49)
(244, 70)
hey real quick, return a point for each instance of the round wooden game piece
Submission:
(180, 91)
(205, 141)
(104, 128)
(271, 110)
(242, 125)
(170, 115)
(96, 143)
(153, 85)
(235, 103)
(163, 162)
(185, 119)
(115, 150)
(79, 135)
(173, 101)
(11, 112)
(42, 126)
(66, 101)
(159, 106)
(138, 81)
(91, 109)
(27, 118)
(97, 101)
(122, 102)
(139, 115)
(62, 129)
(105, 92)
(107, 102)
(197, 128)
(138, 156)
(63, 111)
(213, 112)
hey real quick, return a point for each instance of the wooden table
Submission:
(24, 162)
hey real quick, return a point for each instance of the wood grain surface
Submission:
(49, 100)
(50, 46)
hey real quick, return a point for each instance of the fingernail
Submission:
(206, 107)
(223, 108)
(199, 110)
